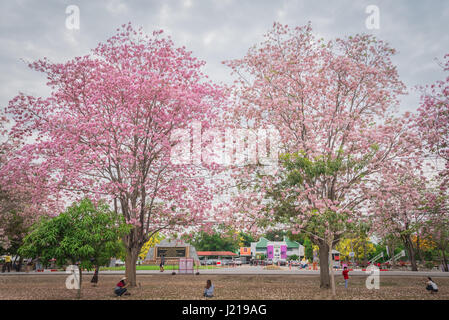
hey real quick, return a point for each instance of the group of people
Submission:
(430, 284)
(121, 288)
(7, 264)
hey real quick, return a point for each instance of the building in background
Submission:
(245, 254)
(215, 256)
(172, 251)
(276, 250)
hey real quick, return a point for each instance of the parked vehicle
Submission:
(212, 262)
(282, 262)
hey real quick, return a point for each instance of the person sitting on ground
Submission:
(120, 288)
(209, 289)
(431, 286)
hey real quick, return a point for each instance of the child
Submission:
(346, 276)
(431, 286)
(209, 289)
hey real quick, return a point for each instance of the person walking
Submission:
(345, 274)
(209, 290)
(161, 266)
(38, 264)
(7, 263)
(94, 279)
(431, 286)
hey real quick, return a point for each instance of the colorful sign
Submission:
(270, 252)
(245, 251)
(283, 252)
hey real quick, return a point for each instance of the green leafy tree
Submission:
(221, 239)
(288, 205)
(308, 249)
(275, 235)
(85, 234)
(293, 257)
(246, 239)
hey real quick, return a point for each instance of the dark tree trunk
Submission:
(133, 246)
(324, 265)
(393, 261)
(445, 262)
(130, 264)
(80, 282)
(419, 250)
(411, 252)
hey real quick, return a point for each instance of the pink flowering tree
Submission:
(18, 211)
(106, 132)
(398, 207)
(433, 120)
(436, 226)
(334, 104)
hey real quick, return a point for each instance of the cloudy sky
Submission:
(215, 31)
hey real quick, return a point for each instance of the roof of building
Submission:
(216, 253)
(290, 243)
(263, 242)
(172, 243)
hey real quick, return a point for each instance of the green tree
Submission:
(275, 235)
(288, 205)
(221, 239)
(308, 249)
(293, 257)
(85, 234)
(246, 239)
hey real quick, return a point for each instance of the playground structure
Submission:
(379, 256)
(397, 256)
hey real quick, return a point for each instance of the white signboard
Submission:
(185, 265)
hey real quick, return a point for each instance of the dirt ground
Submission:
(227, 287)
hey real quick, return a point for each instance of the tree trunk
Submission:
(324, 265)
(445, 266)
(80, 281)
(393, 261)
(331, 267)
(419, 250)
(130, 264)
(411, 252)
(365, 258)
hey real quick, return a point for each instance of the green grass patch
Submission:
(151, 267)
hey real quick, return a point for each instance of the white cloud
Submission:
(116, 7)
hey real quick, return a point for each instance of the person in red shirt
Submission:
(346, 276)
(120, 288)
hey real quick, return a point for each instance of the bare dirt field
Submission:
(227, 287)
